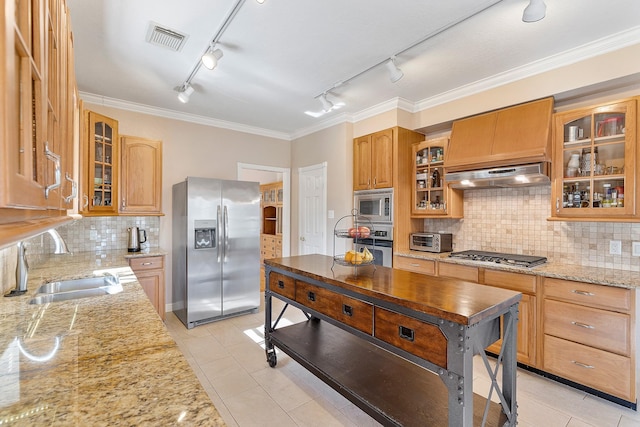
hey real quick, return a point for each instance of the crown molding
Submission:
(171, 114)
(599, 47)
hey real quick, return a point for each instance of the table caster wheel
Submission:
(272, 359)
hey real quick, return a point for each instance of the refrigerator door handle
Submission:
(226, 233)
(219, 233)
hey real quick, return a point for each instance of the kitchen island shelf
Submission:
(397, 344)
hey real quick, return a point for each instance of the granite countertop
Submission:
(595, 275)
(105, 360)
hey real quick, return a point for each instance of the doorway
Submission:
(312, 209)
(265, 174)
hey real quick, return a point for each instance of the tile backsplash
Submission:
(515, 220)
(90, 234)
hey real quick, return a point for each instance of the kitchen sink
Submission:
(66, 290)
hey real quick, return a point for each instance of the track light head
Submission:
(395, 73)
(326, 104)
(260, 1)
(210, 59)
(185, 92)
(535, 11)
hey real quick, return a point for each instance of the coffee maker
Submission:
(136, 237)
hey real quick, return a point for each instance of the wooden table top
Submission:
(455, 300)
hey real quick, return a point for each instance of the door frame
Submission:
(301, 170)
(286, 202)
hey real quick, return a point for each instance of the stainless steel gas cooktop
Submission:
(500, 258)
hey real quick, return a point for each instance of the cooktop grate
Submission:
(500, 258)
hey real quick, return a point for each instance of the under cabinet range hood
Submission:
(504, 148)
(509, 176)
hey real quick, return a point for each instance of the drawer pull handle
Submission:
(280, 284)
(147, 263)
(585, 293)
(583, 325)
(413, 264)
(311, 296)
(406, 333)
(347, 309)
(582, 365)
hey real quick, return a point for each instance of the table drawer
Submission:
(283, 285)
(606, 330)
(598, 296)
(424, 266)
(595, 368)
(350, 311)
(412, 335)
(147, 263)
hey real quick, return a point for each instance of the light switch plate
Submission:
(331, 214)
(615, 247)
(635, 248)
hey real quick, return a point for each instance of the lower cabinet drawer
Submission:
(456, 271)
(605, 330)
(355, 313)
(283, 285)
(594, 368)
(424, 266)
(412, 335)
(147, 263)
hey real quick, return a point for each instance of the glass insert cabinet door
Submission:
(103, 159)
(595, 161)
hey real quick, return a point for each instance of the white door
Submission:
(312, 209)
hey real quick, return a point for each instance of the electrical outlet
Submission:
(615, 247)
(635, 248)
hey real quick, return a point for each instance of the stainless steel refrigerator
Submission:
(216, 249)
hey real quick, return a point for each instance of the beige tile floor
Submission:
(228, 358)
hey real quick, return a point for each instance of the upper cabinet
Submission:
(431, 197)
(516, 135)
(373, 160)
(595, 161)
(102, 152)
(141, 176)
(121, 175)
(38, 89)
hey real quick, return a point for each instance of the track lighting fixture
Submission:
(326, 104)
(395, 73)
(260, 1)
(185, 92)
(535, 11)
(210, 59)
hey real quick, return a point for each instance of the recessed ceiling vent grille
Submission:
(163, 36)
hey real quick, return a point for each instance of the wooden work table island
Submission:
(399, 345)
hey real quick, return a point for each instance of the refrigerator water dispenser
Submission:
(205, 234)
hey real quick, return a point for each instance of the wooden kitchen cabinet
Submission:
(101, 165)
(150, 273)
(589, 336)
(140, 176)
(527, 309)
(527, 284)
(37, 82)
(373, 160)
(595, 163)
(431, 197)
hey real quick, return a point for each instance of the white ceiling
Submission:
(280, 55)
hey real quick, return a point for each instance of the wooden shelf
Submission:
(390, 389)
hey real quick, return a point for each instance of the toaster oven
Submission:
(431, 242)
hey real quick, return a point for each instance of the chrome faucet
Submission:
(22, 266)
(61, 246)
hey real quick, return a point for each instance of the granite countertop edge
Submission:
(110, 359)
(594, 275)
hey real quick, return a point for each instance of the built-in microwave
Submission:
(375, 205)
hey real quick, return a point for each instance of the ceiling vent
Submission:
(163, 36)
